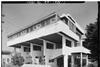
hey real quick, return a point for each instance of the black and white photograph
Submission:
(49, 33)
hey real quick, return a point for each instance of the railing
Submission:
(34, 27)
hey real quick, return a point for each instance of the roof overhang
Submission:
(59, 26)
(80, 49)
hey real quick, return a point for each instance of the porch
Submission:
(48, 50)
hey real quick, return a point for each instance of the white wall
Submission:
(50, 29)
(5, 57)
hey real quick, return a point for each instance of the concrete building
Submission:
(5, 58)
(55, 41)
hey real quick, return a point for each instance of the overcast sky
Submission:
(19, 15)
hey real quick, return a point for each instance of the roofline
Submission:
(76, 24)
(47, 16)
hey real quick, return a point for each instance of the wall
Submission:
(5, 57)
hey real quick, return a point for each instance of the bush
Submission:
(17, 60)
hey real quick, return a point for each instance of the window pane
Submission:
(49, 46)
(26, 49)
(38, 48)
(68, 43)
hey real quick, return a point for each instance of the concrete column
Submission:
(72, 61)
(31, 49)
(81, 59)
(14, 49)
(44, 50)
(63, 42)
(44, 47)
(87, 61)
(65, 60)
(21, 50)
(72, 44)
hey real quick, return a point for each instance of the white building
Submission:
(57, 39)
(5, 58)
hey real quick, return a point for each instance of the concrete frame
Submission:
(56, 28)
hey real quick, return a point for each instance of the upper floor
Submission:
(52, 18)
(48, 25)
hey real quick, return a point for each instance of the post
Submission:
(87, 61)
(31, 48)
(65, 55)
(15, 50)
(72, 61)
(44, 51)
(63, 44)
(21, 50)
(65, 60)
(81, 60)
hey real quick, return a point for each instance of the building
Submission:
(6, 58)
(56, 40)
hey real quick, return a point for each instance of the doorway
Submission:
(60, 61)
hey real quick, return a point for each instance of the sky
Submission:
(18, 16)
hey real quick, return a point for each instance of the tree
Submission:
(17, 60)
(91, 41)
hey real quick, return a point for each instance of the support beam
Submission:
(21, 50)
(72, 61)
(81, 59)
(15, 50)
(31, 49)
(87, 61)
(65, 60)
(44, 50)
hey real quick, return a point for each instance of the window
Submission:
(71, 19)
(7, 59)
(51, 60)
(58, 46)
(76, 44)
(50, 46)
(78, 32)
(71, 26)
(35, 47)
(26, 49)
(65, 20)
(68, 43)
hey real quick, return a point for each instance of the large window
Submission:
(68, 43)
(26, 49)
(37, 48)
(50, 46)
(58, 46)
(71, 26)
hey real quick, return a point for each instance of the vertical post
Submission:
(87, 61)
(64, 50)
(63, 43)
(15, 50)
(72, 61)
(81, 60)
(72, 45)
(65, 60)
(31, 52)
(31, 49)
(44, 51)
(21, 50)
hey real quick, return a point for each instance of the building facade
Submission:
(54, 40)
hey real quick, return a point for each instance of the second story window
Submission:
(71, 26)
(50, 46)
(65, 20)
(36, 48)
(26, 49)
(68, 43)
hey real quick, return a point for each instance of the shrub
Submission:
(17, 60)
